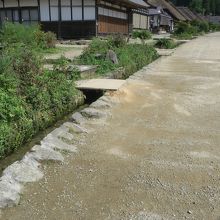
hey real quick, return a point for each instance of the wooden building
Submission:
(160, 20)
(72, 18)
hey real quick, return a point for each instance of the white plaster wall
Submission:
(11, 3)
(89, 13)
(136, 20)
(44, 10)
(28, 3)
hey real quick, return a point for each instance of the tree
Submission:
(201, 6)
(196, 5)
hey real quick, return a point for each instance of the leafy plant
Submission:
(12, 34)
(165, 43)
(130, 57)
(31, 98)
(143, 35)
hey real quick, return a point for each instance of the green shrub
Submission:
(130, 57)
(165, 43)
(214, 27)
(201, 26)
(31, 99)
(185, 28)
(117, 40)
(133, 57)
(143, 35)
(95, 54)
(12, 34)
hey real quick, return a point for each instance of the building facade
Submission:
(71, 18)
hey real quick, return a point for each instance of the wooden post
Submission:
(83, 10)
(19, 12)
(3, 2)
(71, 9)
(59, 19)
(96, 17)
(39, 15)
(49, 10)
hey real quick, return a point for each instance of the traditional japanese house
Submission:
(72, 18)
(160, 20)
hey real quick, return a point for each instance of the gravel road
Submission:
(155, 156)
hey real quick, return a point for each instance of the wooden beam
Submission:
(71, 9)
(83, 10)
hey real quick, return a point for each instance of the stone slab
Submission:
(100, 84)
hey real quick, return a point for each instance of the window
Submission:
(66, 10)
(77, 9)
(28, 15)
(54, 10)
(112, 13)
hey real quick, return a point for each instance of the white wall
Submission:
(11, 3)
(112, 13)
(44, 10)
(89, 9)
(27, 3)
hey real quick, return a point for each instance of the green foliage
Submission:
(165, 43)
(117, 40)
(201, 26)
(31, 98)
(95, 54)
(196, 5)
(143, 35)
(214, 27)
(185, 28)
(130, 57)
(12, 34)
(133, 57)
(201, 6)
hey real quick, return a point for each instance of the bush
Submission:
(201, 26)
(143, 35)
(165, 43)
(214, 27)
(95, 54)
(133, 57)
(130, 57)
(12, 34)
(31, 99)
(117, 40)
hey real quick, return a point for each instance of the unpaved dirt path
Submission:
(157, 156)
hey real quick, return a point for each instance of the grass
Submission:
(31, 98)
(166, 44)
(54, 50)
(131, 57)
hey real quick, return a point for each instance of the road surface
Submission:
(156, 157)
